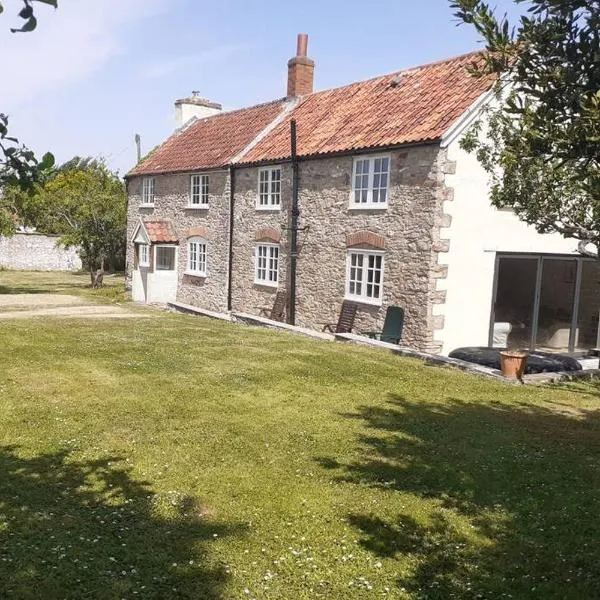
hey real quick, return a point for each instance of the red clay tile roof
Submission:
(410, 106)
(160, 232)
(211, 142)
(415, 105)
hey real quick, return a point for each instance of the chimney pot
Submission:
(302, 46)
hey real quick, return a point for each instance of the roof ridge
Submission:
(224, 113)
(398, 72)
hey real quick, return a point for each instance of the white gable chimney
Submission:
(194, 106)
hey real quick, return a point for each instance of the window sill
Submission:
(274, 208)
(361, 300)
(195, 274)
(146, 206)
(144, 266)
(268, 284)
(367, 206)
(197, 207)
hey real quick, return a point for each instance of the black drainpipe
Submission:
(294, 225)
(231, 208)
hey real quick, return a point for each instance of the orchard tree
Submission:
(542, 142)
(86, 204)
(18, 164)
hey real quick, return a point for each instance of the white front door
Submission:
(162, 282)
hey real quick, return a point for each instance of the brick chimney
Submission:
(300, 70)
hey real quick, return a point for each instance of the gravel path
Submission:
(26, 306)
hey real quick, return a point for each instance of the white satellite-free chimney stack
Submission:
(194, 106)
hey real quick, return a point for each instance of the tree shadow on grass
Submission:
(74, 530)
(25, 289)
(509, 498)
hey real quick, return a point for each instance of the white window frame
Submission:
(148, 191)
(201, 254)
(143, 255)
(199, 183)
(268, 270)
(369, 204)
(156, 248)
(363, 297)
(272, 197)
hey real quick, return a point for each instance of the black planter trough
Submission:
(537, 362)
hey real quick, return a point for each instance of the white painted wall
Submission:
(162, 286)
(156, 285)
(477, 232)
(138, 284)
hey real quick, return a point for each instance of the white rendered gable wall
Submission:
(476, 233)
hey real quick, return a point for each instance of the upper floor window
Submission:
(199, 190)
(266, 264)
(196, 264)
(269, 187)
(364, 276)
(370, 182)
(148, 191)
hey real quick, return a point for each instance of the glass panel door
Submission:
(589, 305)
(556, 301)
(512, 323)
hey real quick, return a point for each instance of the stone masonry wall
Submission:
(250, 224)
(171, 202)
(408, 228)
(37, 252)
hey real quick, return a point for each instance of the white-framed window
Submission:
(199, 190)
(148, 191)
(165, 258)
(143, 255)
(266, 264)
(364, 276)
(269, 188)
(196, 263)
(370, 182)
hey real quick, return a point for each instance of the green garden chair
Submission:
(392, 326)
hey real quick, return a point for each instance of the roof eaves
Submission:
(344, 152)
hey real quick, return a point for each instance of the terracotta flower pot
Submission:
(512, 363)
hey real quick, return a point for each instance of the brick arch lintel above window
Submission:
(268, 234)
(197, 232)
(365, 238)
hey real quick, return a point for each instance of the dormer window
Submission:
(148, 191)
(370, 182)
(269, 188)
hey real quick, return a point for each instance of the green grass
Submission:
(62, 282)
(179, 457)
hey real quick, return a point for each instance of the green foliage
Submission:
(87, 206)
(18, 164)
(27, 14)
(543, 132)
(82, 201)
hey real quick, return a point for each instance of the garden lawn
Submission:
(181, 457)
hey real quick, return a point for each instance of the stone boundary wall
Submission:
(37, 252)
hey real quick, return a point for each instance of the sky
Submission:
(96, 72)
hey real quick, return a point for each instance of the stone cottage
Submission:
(390, 211)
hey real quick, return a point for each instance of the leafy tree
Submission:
(83, 202)
(87, 205)
(18, 164)
(542, 148)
